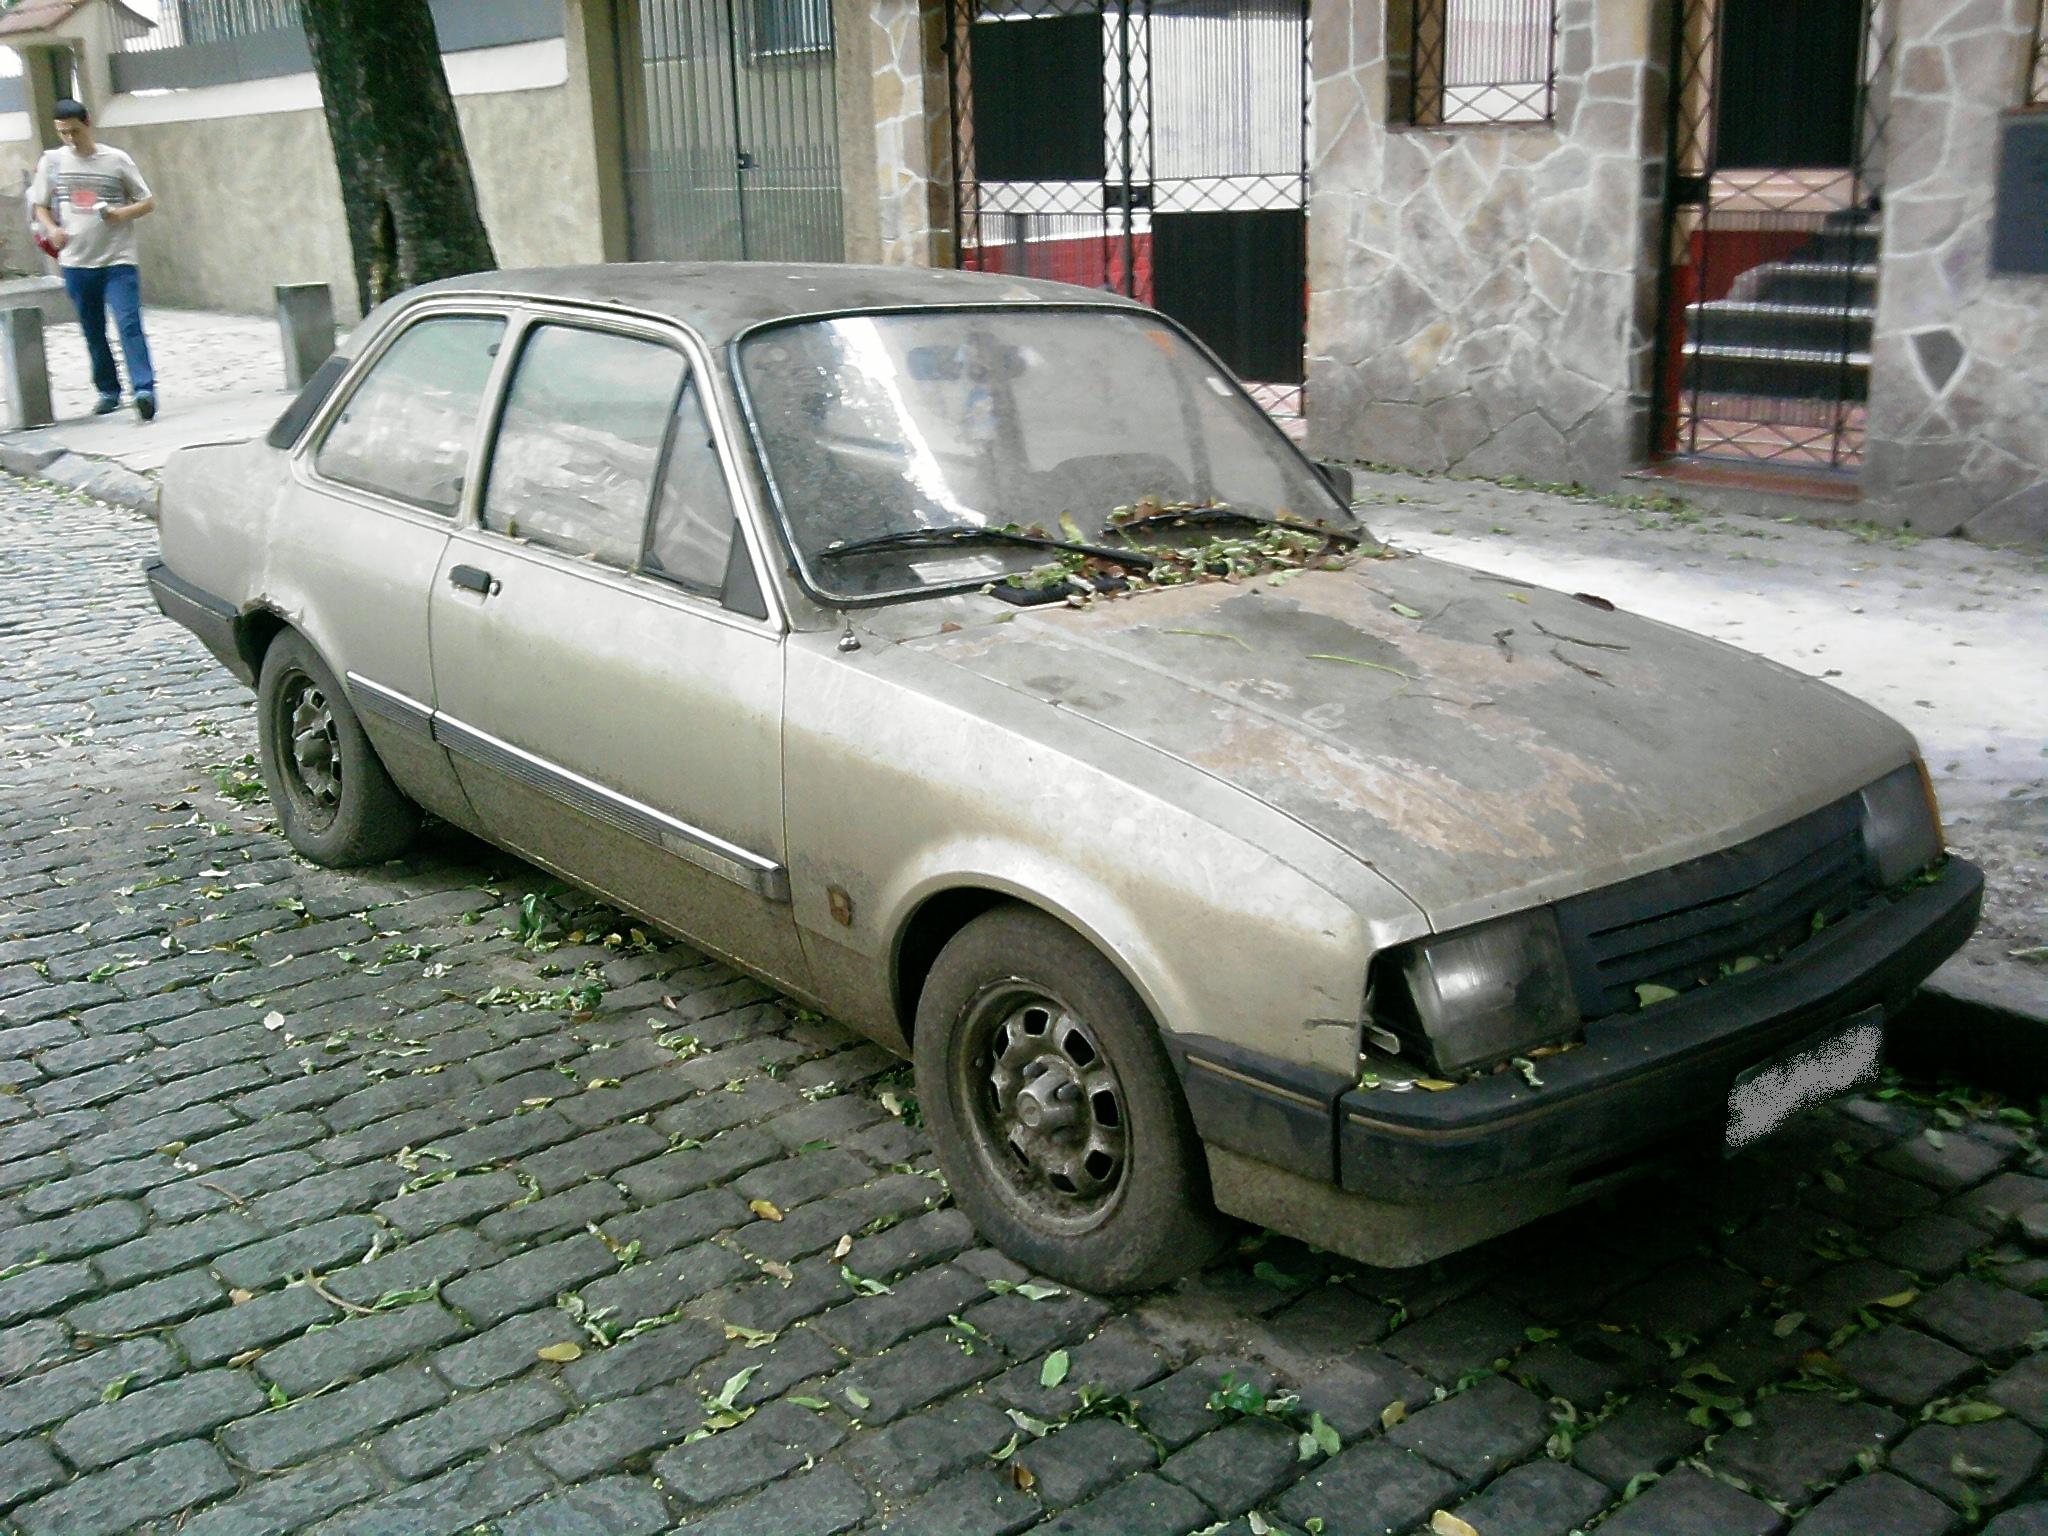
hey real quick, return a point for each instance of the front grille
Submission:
(1676, 927)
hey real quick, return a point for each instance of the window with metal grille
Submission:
(784, 27)
(2037, 59)
(1482, 61)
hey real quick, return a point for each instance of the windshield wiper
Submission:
(971, 533)
(1226, 514)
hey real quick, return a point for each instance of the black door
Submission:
(1788, 83)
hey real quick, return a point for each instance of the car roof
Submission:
(720, 299)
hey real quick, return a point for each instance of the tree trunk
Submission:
(406, 186)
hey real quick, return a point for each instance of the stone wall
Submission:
(1483, 299)
(1959, 361)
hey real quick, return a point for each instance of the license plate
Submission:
(1832, 1062)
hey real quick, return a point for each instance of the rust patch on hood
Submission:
(1423, 804)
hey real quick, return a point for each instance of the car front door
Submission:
(608, 676)
(357, 544)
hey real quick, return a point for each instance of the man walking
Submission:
(86, 198)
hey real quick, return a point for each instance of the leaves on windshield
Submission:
(1276, 551)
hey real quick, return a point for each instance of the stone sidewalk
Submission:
(218, 376)
(430, 1200)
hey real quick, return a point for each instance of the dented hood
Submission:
(1483, 744)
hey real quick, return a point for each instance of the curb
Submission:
(1978, 1022)
(102, 479)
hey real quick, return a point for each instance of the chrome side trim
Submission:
(389, 704)
(764, 877)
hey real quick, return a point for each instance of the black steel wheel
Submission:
(1056, 1113)
(334, 801)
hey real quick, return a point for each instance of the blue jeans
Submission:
(92, 290)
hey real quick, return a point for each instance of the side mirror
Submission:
(1338, 477)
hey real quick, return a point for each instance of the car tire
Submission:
(334, 800)
(1056, 1113)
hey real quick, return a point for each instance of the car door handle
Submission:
(470, 579)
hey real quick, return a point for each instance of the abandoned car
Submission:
(971, 659)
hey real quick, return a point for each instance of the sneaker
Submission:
(106, 405)
(145, 406)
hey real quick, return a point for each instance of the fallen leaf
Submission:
(1022, 1477)
(1897, 1299)
(1970, 1413)
(1354, 661)
(1444, 1523)
(1433, 1084)
(843, 1247)
(238, 1296)
(1405, 611)
(236, 1362)
(560, 1354)
(778, 1269)
(1054, 1371)
(858, 1398)
(767, 1210)
(1788, 1325)
(1393, 1414)
(1648, 992)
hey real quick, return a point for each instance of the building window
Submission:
(783, 27)
(1482, 61)
(2037, 59)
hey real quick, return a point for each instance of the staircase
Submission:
(1794, 329)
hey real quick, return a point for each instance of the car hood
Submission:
(1483, 744)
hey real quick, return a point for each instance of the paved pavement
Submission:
(368, 1203)
(218, 376)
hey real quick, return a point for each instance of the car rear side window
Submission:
(581, 435)
(690, 539)
(407, 430)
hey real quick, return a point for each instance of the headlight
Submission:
(1901, 825)
(1483, 993)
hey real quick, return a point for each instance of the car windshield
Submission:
(1029, 419)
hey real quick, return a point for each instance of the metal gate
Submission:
(731, 130)
(1772, 228)
(1158, 148)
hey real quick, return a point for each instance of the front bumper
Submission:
(1639, 1079)
(212, 619)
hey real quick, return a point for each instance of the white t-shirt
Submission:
(78, 189)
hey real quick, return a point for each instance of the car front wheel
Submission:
(1055, 1111)
(334, 800)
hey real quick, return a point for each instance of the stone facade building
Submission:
(1787, 246)
(1740, 242)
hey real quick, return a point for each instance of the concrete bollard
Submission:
(26, 366)
(305, 322)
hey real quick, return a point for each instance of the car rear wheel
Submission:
(1055, 1111)
(334, 800)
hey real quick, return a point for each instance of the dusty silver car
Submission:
(972, 659)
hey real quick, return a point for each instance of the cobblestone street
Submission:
(428, 1200)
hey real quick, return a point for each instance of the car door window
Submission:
(577, 446)
(690, 538)
(407, 429)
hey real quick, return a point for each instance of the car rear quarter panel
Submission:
(213, 519)
(907, 778)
